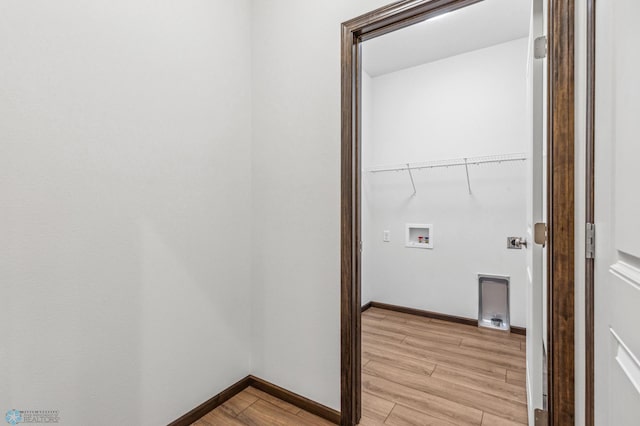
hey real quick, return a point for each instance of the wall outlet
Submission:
(386, 236)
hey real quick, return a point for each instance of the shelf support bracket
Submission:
(466, 167)
(412, 182)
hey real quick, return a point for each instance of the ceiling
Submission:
(483, 24)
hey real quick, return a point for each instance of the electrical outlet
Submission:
(386, 236)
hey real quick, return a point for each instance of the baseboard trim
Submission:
(258, 383)
(219, 399)
(435, 315)
(365, 307)
(423, 313)
(293, 398)
(518, 330)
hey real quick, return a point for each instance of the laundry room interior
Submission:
(444, 139)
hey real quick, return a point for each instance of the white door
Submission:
(536, 213)
(617, 214)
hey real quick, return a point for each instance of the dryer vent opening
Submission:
(493, 296)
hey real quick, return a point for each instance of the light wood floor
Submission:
(421, 371)
(255, 408)
(415, 371)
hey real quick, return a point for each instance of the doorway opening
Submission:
(399, 198)
(446, 184)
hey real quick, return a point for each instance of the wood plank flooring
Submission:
(422, 371)
(415, 371)
(252, 407)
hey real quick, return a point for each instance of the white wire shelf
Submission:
(454, 162)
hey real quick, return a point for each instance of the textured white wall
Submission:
(466, 105)
(125, 194)
(296, 192)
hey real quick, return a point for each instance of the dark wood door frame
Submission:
(561, 392)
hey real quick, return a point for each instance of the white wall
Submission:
(296, 193)
(125, 193)
(467, 105)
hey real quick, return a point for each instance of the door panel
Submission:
(536, 194)
(626, 84)
(617, 264)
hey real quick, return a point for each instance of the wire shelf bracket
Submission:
(412, 182)
(466, 168)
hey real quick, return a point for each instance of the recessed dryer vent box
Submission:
(419, 236)
(493, 307)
